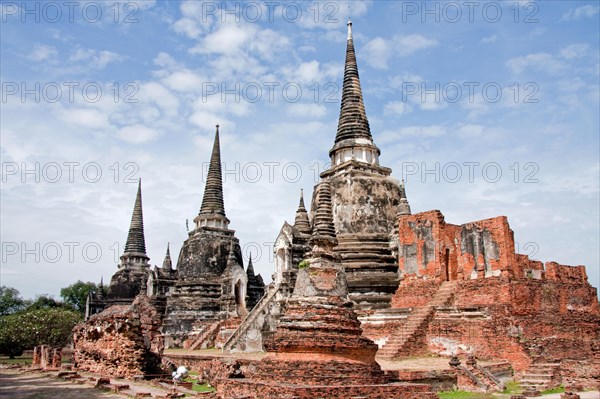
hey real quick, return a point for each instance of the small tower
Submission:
(323, 238)
(256, 286)
(302, 223)
(100, 291)
(134, 255)
(167, 263)
(403, 207)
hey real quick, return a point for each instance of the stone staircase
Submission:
(412, 331)
(540, 376)
(487, 379)
(261, 306)
(204, 339)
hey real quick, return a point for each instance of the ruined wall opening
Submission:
(446, 265)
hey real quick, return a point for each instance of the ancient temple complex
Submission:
(358, 281)
(209, 286)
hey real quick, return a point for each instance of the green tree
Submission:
(46, 326)
(76, 294)
(10, 301)
(47, 302)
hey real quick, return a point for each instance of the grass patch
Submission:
(17, 360)
(464, 395)
(559, 389)
(202, 388)
(512, 387)
(199, 387)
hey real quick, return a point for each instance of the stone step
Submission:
(533, 381)
(540, 375)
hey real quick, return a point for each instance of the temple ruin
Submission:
(358, 281)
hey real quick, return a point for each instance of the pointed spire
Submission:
(250, 269)
(404, 206)
(136, 243)
(301, 204)
(301, 222)
(212, 203)
(167, 263)
(99, 292)
(323, 234)
(353, 122)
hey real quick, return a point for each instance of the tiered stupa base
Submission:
(318, 351)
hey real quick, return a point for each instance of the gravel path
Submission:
(16, 384)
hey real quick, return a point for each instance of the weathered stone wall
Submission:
(362, 203)
(123, 340)
(430, 247)
(235, 388)
(205, 253)
(585, 373)
(505, 305)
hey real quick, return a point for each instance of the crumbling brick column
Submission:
(56, 358)
(45, 359)
(35, 362)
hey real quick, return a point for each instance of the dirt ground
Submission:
(16, 384)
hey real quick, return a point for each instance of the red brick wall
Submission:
(238, 388)
(414, 293)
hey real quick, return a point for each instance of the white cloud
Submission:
(137, 134)
(155, 93)
(377, 52)
(195, 19)
(586, 11)
(184, 81)
(86, 117)
(95, 59)
(489, 39)
(539, 61)
(415, 131)
(397, 108)
(330, 15)
(574, 51)
(407, 45)
(312, 71)
(42, 52)
(400, 81)
(468, 131)
(229, 39)
(306, 110)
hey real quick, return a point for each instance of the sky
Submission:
(485, 108)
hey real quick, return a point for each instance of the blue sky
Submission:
(485, 108)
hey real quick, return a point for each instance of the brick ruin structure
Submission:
(464, 290)
(318, 349)
(201, 301)
(122, 340)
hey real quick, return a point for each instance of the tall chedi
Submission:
(127, 282)
(365, 198)
(211, 284)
